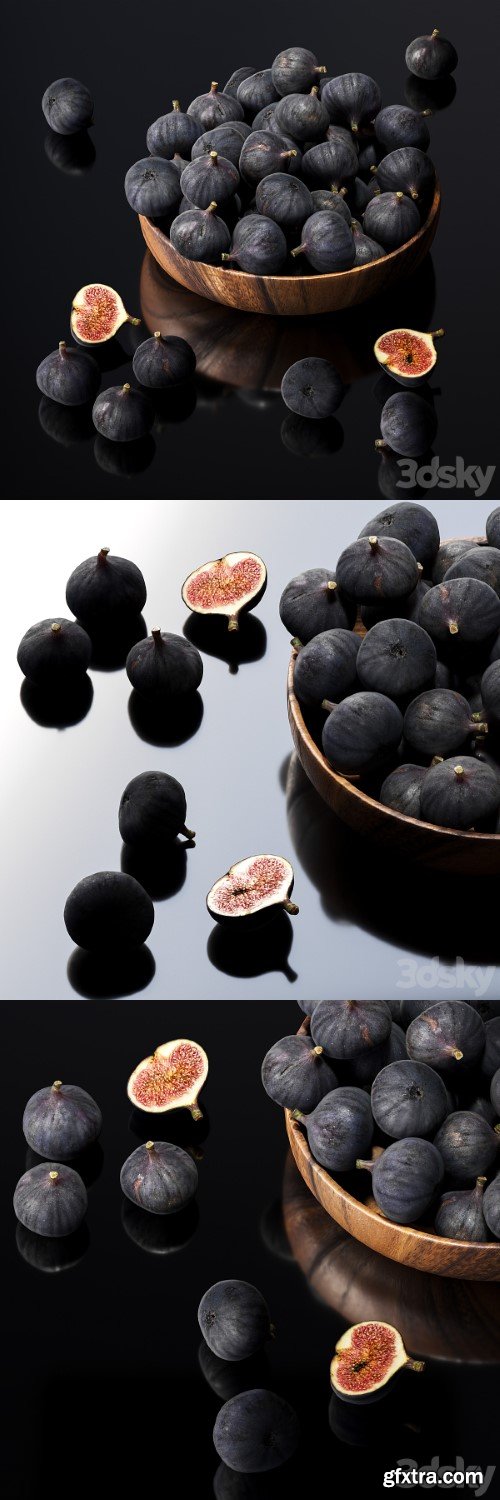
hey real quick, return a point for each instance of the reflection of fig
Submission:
(366, 1358)
(161, 872)
(108, 976)
(66, 425)
(228, 1379)
(53, 710)
(51, 1255)
(124, 459)
(212, 637)
(255, 1432)
(165, 723)
(249, 954)
(72, 154)
(111, 643)
(158, 1234)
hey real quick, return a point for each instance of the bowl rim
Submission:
(310, 278)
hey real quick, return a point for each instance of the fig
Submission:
(364, 1068)
(254, 890)
(467, 1144)
(153, 809)
(54, 653)
(365, 248)
(122, 414)
(255, 1431)
(438, 722)
(405, 1178)
(226, 139)
(303, 116)
(105, 589)
(460, 1214)
(493, 528)
(97, 313)
(327, 243)
(392, 219)
(172, 1078)
(495, 1091)
(402, 790)
(326, 667)
(347, 1028)
(258, 246)
(199, 234)
(163, 362)
(69, 376)
(312, 603)
(396, 657)
(407, 355)
(68, 106)
(209, 178)
(490, 692)
(296, 1074)
(164, 666)
(295, 70)
(460, 794)
(265, 120)
(339, 1129)
(234, 1320)
(237, 76)
(358, 194)
(366, 1359)
(431, 57)
(228, 587)
(409, 171)
(396, 126)
(480, 562)
(254, 93)
(51, 1200)
(490, 1061)
(265, 152)
(374, 569)
(408, 424)
(464, 608)
(325, 199)
(491, 1207)
(108, 910)
(173, 134)
(61, 1121)
(214, 108)
(152, 186)
(407, 609)
(312, 387)
(445, 1034)
(408, 1098)
(352, 99)
(159, 1177)
(284, 199)
(361, 732)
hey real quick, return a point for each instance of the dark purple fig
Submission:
(284, 199)
(312, 603)
(108, 911)
(331, 163)
(490, 692)
(255, 92)
(153, 809)
(409, 523)
(303, 116)
(327, 243)
(468, 1145)
(312, 388)
(405, 1178)
(448, 1035)
(295, 70)
(209, 179)
(199, 234)
(237, 76)
(480, 562)
(164, 361)
(495, 1091)
(374, 569)
(50, 1200)
(409, 171)
(438, 722)
(396, 657)
(330, 198)
(68, 106)
(164, 666)
(347, 1028)
(259, 246)
(104, 589)
(265, 119)
(460, 1215)
(122, 415)
(480, 1106)
(61, 1121)
(352, 99)
(54, 652)
(365, 248)
(358, 196)
(407, 608)
(491, 1207)
(159, 1177)
(296, 1073)
(215, 108)
(339, 1129)
(152, 186)
(255, 1431)
(173, 134)
(265, 152)
(408, 1098)
(431, 57)
(493, 528)
(408, 424)
(391, 219)
(490, 1061)
(364, 1068)
(396, 126)
(234, 1320)
(402, 790)
(361, 733)
(447, 554)
(69, 376)
(226, 139)
(460, 793)
(463, 608)
(326, 667)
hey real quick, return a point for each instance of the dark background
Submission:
(100, 1376)
(64, 231)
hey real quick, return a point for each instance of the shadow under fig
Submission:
(108, 976)
(165, 723)
(248, 955)
(72, 154)
(66, 425)
(236, 647)
(88, 1164)
(124, 459)
(368, 887)
(60, 709)
(112, 643)
(161, 872)
(228, 1378)
(160, 1234)
(52, 1255)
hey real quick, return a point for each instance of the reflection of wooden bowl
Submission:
(293, 296)
(407, 1243)
(438, 1317)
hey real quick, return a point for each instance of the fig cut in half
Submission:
(407, 355)
(365, 1360)
(172, 1078)
(97, 313)
(255, 889)
(229, 586)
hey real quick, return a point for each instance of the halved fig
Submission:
(407, 355)
(228, 586)
(172, 1078)
(97, 313)
(366, 1358)
(254, 890)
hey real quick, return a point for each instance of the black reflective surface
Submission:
(69, 224)
(366, 926)
(101, 1369)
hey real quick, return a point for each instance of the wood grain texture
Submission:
(438, 1317)
(298, 295)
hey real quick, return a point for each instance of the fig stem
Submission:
(55, 628)
(175, 104)
(232, 623)
(150, 1145)
(134, 321)
(296, 644)
(457, 1054)
(297, 1114)
(212, 207)
(53, 1176)
(189, 833)
(435, 33)
(453, 627)
(437, 333)
(156, 635)
(299, 250)
(56, 1085)
(415, 1364)
(213, 87)
(157, 335)
(497, 1128)
(331, 585)
(291, 908)
(480, 1181)
(213, 156)
(328, 706)
(286, 154)
(380, 444)
(195, 1111)
(272, 1326)
(62, 346)
(317, 1051)
(367, 1166)
(373, 540)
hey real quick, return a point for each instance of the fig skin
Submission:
(408, 424)
(209, 179)
(447, 553)
(51, 1200)
(226, 139)
(254, 93)
(108, 910)
(402, 790)
(460, 793)
(312, 388)
(104, 589)
(407, 170)
(352, 99)
(347, 1028)
(408, 1099)
(365, 248)
(69, 376)
(396, 657)
(313, 603)
(480, 562)
(362, 732)
(325, 199)
(490, 1061)
(255, 1432)
(234, 1320)
(330, 163)
(327, 243)
(173, 134)
(326, 667)
(265, 152)
(364, 1068)
(431, 57)
(490, 692)
(495, 1091)
(164, 666)
(461, 610)
(491, 1207)
(447, 1036)
(296, 1074)
(152, 809)
(152, 186)
(295, 70)
(285, 199)
(214, 108)
(68, 106)
(391, 219)
(340, 1128)
(405, 1178)
(493, 528)
(373, 570)
(302, 116)
(62, 1120)
(460, 1215)
(54, 652)
(159, 1177)
(409, 523)
(237, 76)
(122, 415)
(437, 722)
(467, 1144)
(258, 246)
(397, 125)
(163, 362)
(199, 234)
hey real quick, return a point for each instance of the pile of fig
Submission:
(407, 1092)
(288, 165)
(397, 666)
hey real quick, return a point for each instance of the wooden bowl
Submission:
(405, 1243)
(293, 296)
